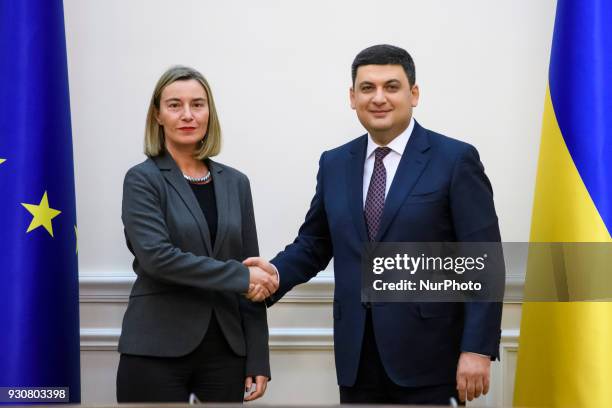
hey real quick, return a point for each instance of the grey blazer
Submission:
(181, 277)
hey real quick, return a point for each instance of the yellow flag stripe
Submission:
(565, 354)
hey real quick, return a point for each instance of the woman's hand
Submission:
(264, 279)
(261, 381)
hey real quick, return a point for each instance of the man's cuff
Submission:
(478, 354)
(277, 274)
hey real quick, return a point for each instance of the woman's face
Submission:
(183, 112)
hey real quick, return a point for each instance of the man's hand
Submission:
(262, 263)
(263, 279)
(261, 382)
(473, 373)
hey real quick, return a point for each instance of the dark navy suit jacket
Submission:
(439, 193)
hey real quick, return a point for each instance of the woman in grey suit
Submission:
(189, 222)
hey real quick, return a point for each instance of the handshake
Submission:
(263, 279)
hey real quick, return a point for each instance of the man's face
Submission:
(383, 100)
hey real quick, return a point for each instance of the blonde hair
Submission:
(154, 140)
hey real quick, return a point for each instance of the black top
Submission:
(205, 193)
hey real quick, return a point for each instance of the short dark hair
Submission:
(385, 54)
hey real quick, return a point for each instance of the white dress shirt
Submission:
(391, 160)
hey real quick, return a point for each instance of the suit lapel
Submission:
(174, 176)
(413, 161)
(354, 174)
(222, 201)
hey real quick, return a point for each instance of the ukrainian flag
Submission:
(39, 315)
(565, 349)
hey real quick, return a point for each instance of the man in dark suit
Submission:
(398, 183)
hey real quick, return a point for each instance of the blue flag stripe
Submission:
(580, 79)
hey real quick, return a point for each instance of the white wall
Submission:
(280, 72)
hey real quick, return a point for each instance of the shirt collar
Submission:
(397, 145)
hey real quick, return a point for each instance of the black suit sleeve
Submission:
(475, 220)
(148, 238)
(254, 317)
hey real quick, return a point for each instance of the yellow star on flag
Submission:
(42, 215)
(2, 161)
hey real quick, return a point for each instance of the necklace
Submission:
(203, 179)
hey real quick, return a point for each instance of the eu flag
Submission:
(39, 318)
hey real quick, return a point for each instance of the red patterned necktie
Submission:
(375, 200)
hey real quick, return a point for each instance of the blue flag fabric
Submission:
(580, 79)
(39, 318)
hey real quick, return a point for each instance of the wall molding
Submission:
(319, 338)
(510, 338)
(281, 338)
(503, 374)
(105, 287)
(115, 288)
